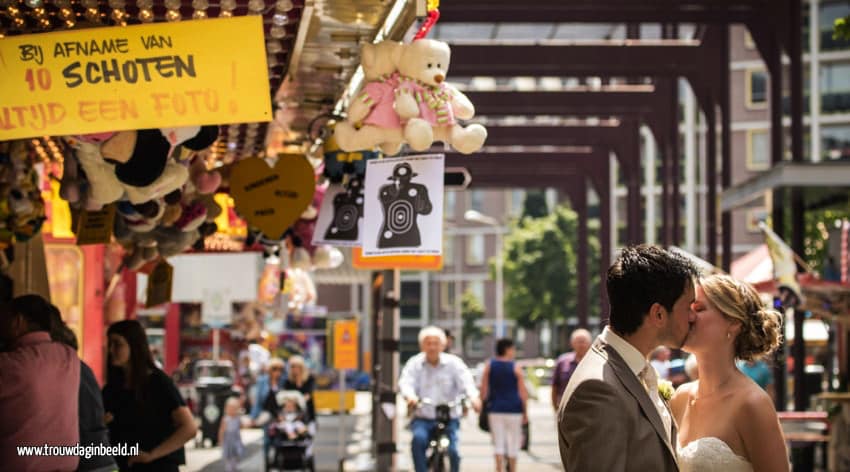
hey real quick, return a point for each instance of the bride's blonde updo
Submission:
(760, 325)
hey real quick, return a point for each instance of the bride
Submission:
(726, 421)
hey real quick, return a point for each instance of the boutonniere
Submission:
(666, 390)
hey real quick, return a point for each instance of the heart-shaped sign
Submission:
(271, 199)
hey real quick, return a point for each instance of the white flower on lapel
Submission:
(666, 390)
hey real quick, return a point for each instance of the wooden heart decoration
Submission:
(272, 199)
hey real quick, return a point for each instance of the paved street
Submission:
(476, 452)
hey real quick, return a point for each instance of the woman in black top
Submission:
(142, 404)
(299, 378)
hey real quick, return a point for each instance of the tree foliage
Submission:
(534, 205)
(842, 29)
(471, 310)
(541, 268)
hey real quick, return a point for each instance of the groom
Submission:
(612, 417)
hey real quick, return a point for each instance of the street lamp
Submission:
(478, 217)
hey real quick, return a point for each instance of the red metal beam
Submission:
(610, 11)
(566, 103)
(577, 60)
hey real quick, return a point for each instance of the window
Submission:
(519, 340)
(754, 217)
(449, 205)
(835, 142)
(829, 12)
(409, 343)
(756, 89)
(447, 296)
(758, 150)
(476, 200)
(476, 287)
(411, 300)
(448, 249)
(835, 87)
(475, 249)
(516, 198)
(748, 40)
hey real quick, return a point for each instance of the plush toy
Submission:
(415, 102)
(338, 163)
(23, 211)
(372, 111)
(147, 172)
(204, 181)
(429, 106)
(104, 186)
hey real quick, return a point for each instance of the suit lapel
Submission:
(633, 385)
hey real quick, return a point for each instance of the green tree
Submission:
(471, 310)
(541, 268)
(842, 28)
(534, 205)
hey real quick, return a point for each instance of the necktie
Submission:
(649, 380)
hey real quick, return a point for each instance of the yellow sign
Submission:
(272, 199)
(345, 344)
(95, 227)
(358, 261)
(160, 284)
(134, 77)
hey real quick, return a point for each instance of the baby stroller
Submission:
(291, 435)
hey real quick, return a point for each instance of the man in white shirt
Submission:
(441, 378)
(612, 416)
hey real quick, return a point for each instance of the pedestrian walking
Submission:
(230, 435)
(503, 386)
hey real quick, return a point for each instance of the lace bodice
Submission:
(711, 455)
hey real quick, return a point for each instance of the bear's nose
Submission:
(439, 78)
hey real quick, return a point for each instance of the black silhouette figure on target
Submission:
(348, 209)
(402, 203)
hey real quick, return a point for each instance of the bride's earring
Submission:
(728, 335)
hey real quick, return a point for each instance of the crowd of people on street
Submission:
(139, 406)
(620, 392)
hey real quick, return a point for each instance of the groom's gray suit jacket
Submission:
(607, 422)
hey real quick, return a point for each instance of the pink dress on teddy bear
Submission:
(380, 97)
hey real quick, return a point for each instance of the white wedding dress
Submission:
(711, 454)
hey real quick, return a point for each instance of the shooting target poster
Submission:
(404, 206)
(340, 219)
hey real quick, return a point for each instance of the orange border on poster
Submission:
(358, 261)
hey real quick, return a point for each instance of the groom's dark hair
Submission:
(643, 275)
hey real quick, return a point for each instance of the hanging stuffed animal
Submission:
(429, 106)
(372, 121)
(414, 102)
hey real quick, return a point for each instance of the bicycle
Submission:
(437, 454)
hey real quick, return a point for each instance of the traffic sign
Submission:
(345, 344)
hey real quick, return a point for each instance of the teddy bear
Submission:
(429, 106)
(372, 110)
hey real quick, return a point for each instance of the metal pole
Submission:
(387, 372)
(342, 418)
(814, 79)
(216, 332)
(500, 314)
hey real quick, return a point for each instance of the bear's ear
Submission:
(367, 56)
(397, 54)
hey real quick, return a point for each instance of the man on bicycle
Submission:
(441, 378)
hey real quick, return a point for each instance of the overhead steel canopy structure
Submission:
(703, 60)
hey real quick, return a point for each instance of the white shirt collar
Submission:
(634, 359)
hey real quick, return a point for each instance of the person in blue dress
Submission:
(504, 389)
